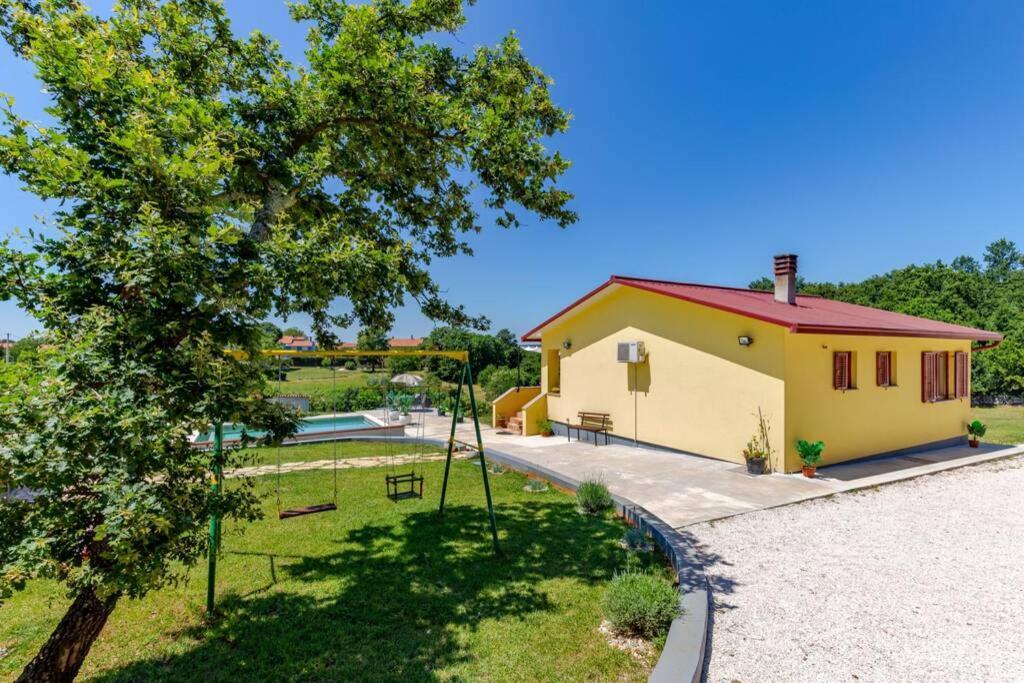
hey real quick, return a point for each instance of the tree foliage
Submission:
(484, 350)
(203, 183)
(989, 296)
(372, 339)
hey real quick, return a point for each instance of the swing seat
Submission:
(307, 510)
(411, 485)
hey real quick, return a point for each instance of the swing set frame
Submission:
(465, 379)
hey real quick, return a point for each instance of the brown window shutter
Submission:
(841, 370)
(942, 374)
(961, 374)
(927, 376)
(883, 368)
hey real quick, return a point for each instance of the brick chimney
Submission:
(785, 279)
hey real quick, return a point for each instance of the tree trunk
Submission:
(62, 655)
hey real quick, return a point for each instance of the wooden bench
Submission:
(596, 423)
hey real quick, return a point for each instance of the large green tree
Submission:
(202, 183)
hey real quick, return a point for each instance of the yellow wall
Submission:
(511, 402)
(699, 390)
(532, 412)
(868, 419)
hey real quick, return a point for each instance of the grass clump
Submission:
(535, 486)
(593, 497)
(641, 604)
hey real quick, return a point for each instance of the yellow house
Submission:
(707, 359)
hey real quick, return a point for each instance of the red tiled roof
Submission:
(810, 314)
(405, 342)
(290, 340)
(394, 342)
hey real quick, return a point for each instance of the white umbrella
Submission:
(407, 379)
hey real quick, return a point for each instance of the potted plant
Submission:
(545, 427)
(404, 403)
(754, 457)
(759, 448)
(810, 453)
(444, 406)
(975, 431)
(391, 407)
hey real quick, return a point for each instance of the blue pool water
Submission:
(307, 425)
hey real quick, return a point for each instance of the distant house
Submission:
(396, 343)
(296, 343)
(405, 342)
(688, 366)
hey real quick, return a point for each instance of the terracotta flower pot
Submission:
(973, 443)
(546, 433)
(809, 471)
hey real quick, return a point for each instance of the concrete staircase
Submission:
(515, 424)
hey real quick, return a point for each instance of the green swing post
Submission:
(211, 576)
(451, 439)
(467, 376)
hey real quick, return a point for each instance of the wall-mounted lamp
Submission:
(745, 341)
(567, 344)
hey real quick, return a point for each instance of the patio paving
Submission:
(686, 489)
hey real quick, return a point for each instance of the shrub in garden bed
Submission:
(634, 540)
(640, 603)
(593, 497)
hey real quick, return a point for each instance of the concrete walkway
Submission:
(343, 463)
(685, 489)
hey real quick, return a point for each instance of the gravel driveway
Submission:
(920, 580)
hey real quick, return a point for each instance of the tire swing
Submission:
(288, 513)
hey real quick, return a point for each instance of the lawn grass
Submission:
(1005, 423)
(307, 380)
(375, 591)
(326, 451)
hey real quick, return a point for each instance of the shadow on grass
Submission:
(393, 602)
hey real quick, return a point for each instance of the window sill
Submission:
(556, 393)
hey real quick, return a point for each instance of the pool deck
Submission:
(686, 489)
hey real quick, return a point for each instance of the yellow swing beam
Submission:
(461, 356)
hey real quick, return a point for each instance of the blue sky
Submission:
(709, 136)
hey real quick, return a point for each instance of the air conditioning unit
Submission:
(631, 352)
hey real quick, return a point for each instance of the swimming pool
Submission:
(313, 428)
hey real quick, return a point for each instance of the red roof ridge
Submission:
(621, 278)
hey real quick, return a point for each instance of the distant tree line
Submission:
(988, 294)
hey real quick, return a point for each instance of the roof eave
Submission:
(969, 335)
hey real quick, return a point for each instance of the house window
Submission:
(842, 370)
(885, 369)
(935, 376)
(961, 375)
(554, 371)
